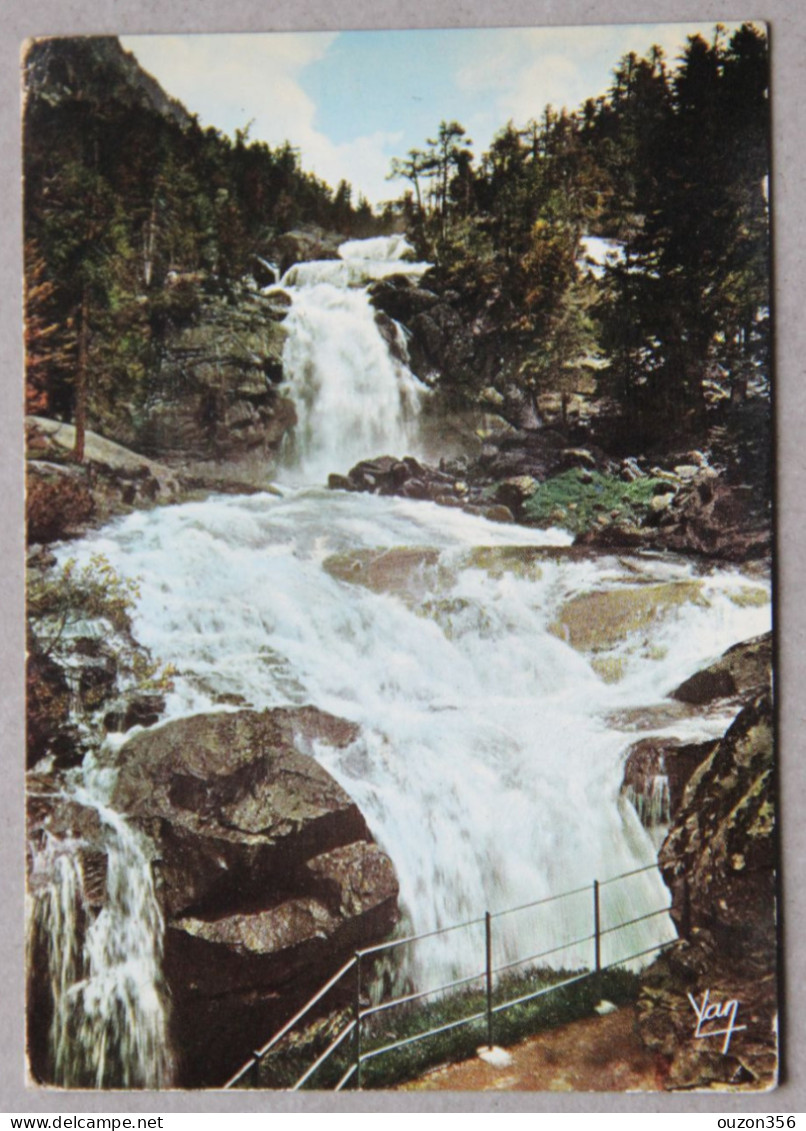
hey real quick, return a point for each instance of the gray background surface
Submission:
(20, 19)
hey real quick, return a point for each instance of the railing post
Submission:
(597, 929)
(357, 1019)
(488, 940)
(254, 1072)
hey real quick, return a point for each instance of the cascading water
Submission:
(355, 396)
(109, 1008)
(490, 758)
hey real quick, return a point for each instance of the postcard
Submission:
(399, 543)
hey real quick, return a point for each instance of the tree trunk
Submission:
(82, 377)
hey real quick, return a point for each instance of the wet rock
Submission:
(743, 670)
(656, 773)
(305, 244)
(514, 492)
(49, 732)
(391, 335)
(404, 571)
(400, 298)
(137, 709)
(406, 478)
(595, 621)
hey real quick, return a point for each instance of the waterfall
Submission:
(355, 396)
(108, 1004)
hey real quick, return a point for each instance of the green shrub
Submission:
(575, 498)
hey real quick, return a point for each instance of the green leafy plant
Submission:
(61, 601)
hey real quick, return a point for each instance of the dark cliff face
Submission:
(95, 68)
(719, 863)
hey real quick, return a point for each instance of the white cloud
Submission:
(232, 80)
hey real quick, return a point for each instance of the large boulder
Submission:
(267, 873)
(744, 670)
(305, 244)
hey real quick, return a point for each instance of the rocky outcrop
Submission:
(719, 863)
(64, 499)
(703, 515)
(216, 397)
(439, 340)
(656, 773)
(304, 244)
(408, 478)
(658, 770)
(49, 731)
(267, 872)
(95, 66)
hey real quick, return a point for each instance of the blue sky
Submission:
(351, 101)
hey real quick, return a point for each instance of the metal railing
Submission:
(359, 1014)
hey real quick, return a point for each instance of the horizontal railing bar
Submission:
(543, 954)
(420, 994)
(540, 902)
(639, 954)
(346, 1077)
(542, 993)
(638, 919)
(634, 872)
(499, 914)
(422, 1036)
(321, 1060)
(416, 938)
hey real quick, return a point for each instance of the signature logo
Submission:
(713, 1014)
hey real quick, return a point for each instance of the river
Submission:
(490, 759)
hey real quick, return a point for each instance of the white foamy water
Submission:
(487, 767)
(354, 398)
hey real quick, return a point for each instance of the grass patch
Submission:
(568, 1003)
(576, 498)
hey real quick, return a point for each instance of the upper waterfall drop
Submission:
(354, 392)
